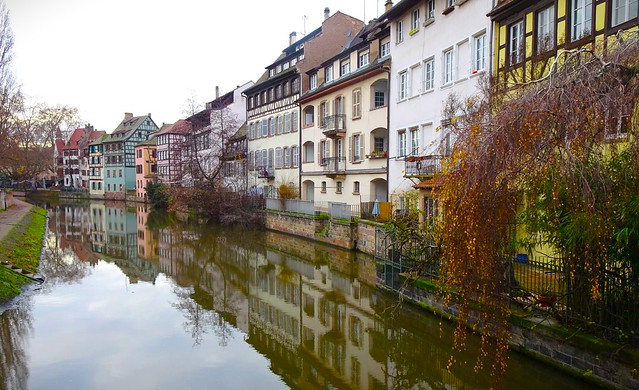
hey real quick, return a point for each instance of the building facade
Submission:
(146, 167)
(439, 48)
(272, 110)
(119, 153)
(172, 142)
(344, 134)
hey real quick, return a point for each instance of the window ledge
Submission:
(446, 86)
(476, 73)
(413, 31)
(429, 21)
(428, 91)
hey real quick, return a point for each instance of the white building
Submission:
(439, 47)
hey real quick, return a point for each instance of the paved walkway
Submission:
(13, 215)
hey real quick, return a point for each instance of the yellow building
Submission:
(529, 34)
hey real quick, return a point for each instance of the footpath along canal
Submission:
(133, 299)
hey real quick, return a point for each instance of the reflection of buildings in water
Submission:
(121, 232)
(216, 270)
(98, 226)
(147, 241)
(302, 307)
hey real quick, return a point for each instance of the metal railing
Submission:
(423, 165)
(333, 124)
(334, 165)
(265, 171)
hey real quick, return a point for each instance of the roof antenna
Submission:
(304, 18)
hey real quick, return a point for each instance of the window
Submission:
(323, 112)
(546, 29)
(287, 90)
(280, 125)
(287, 157)
(271, 126)
(357, 103)
(309, 152)
(278, 157)
(358, 148)
(479, 53)
(309, 115)
(271, 94)
(623, 11)
(312, 80)
(414, 141)
(295, 156)
(414, 21)
(294, 120)
(379, 99)
(264, 128)
(379, 144)
(338, 189)
(401, 143)
(516, 45)
(581, 18)
(384, 47)
(356, 187)
(403, 85)
(278, 92)
(362, 59)
(450, 3)
(399, 31)
(323, 188)
(295, 85)
(328, 73)
(287, 122)
(430, 9)
(430, 208)
(344, 67)
(448, 66)
(323, 152)
(119, 173)
(429, 75)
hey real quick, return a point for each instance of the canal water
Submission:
(136, 300)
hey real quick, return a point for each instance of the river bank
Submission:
(22, 229)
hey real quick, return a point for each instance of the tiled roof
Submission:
(180, 127)
(72, 143)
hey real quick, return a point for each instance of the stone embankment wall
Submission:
(348, 235)
(6, 199)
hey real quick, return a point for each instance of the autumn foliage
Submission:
(558, 157)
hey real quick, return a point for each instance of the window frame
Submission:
(402, 85)
(357, 103)
(580, 29)
(516, 49)
(448, 57)
(545, 41)
(479, 58)
(428, 75)
(399, 31)
(627, 17)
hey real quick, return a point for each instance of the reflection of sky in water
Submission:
(104, 333)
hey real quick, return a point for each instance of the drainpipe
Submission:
(387, 69)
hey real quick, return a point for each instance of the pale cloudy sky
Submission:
(107, 57)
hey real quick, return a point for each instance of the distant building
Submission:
(96, 166)
(146, 167)
(172, 142)
(119, 153)
(213, 132)
(75, 157)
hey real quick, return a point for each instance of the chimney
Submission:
(292, 38)
(127, 116)
(388, 5)
(217, 91)
(327, 13)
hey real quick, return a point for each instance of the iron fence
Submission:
(543, 284)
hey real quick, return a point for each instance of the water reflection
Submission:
(311, 310)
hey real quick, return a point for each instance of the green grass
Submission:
(21, 247)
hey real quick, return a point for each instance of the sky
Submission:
(150, 56)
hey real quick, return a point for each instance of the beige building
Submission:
(345, 122)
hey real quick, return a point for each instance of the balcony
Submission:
(422, 166)
(266, 172)
(334, 166)
(333, 125)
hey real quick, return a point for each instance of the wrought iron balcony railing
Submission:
(423, 165)
(334, 165)
(333, 125)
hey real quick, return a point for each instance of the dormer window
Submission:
(278, 68)
(285, 66)
(271, 72)
(328, 73)
(344, 67)
(362, 59)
